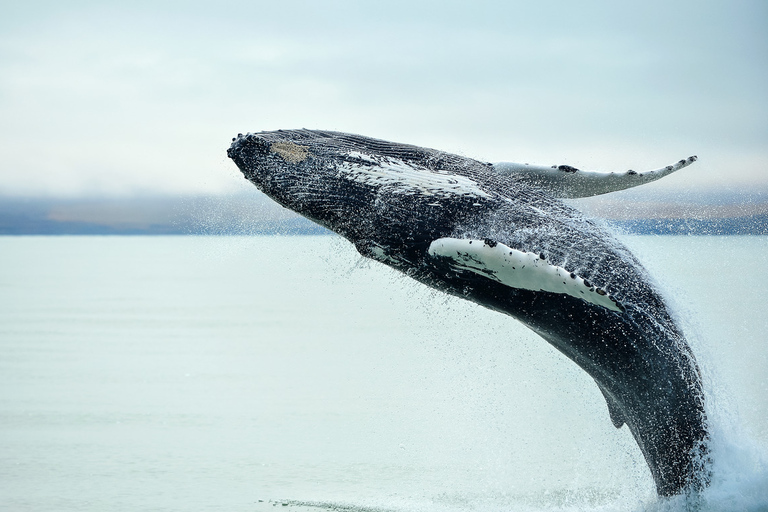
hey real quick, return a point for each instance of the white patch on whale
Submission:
(402, 177)
(517, 269)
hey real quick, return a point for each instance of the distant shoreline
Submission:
(254, 214)
(672, 227)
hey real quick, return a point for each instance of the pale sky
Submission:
(143, 97)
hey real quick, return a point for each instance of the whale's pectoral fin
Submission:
(569, 182)
(517, 269)
(617, 418)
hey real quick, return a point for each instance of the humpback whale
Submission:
(499, 235)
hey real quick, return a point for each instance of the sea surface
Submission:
(242, 374)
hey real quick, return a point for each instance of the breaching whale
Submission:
(499, 235)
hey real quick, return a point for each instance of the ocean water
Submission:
(248, 373)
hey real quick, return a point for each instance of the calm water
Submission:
(187, 374)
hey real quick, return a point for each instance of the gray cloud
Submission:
(125, 99)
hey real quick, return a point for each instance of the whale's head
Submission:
(388, 199)
(284, 170)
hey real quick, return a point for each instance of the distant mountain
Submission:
(247, 214)
(747, 225)
(252, 213)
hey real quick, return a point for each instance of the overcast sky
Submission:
(100, 98)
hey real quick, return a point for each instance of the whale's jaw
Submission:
(395, 202)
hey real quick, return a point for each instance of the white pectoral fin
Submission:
(518, 269)
(569, 182)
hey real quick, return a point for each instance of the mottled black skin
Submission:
(637, 356)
